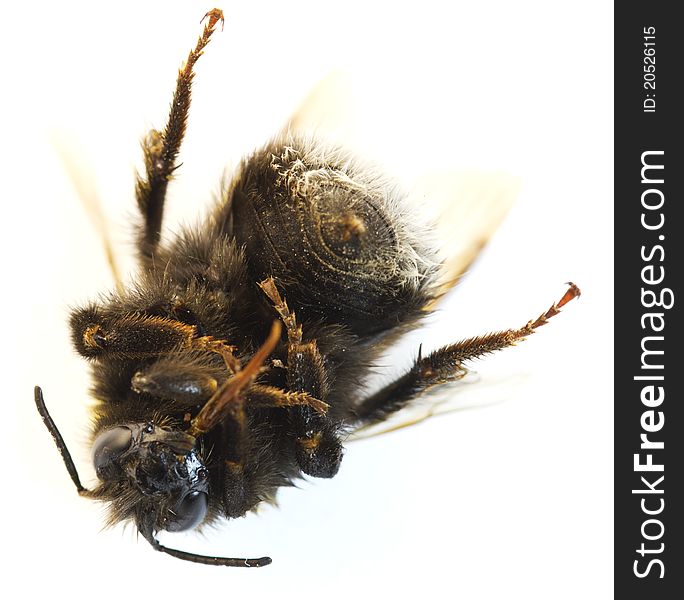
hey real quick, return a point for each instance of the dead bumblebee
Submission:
(235, 362)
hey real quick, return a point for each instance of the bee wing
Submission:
(469, 393)
(329, 110)
(80, 172)
(465, 208)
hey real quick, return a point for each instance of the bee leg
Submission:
(266, 396)
(160, 150)
(176, 382)
(318, 448)
(219, 347)
(446, 364)
(237, 492)
(129, 336)
(226, 409)
(139, 336)
(228, 400)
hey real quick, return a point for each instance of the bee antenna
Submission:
(213, 560)
(147, 531)
(59, 441)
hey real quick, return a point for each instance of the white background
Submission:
(511, 499)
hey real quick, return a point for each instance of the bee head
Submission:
(153, 475)
(158, 472)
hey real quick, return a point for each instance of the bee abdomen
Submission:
(335, 235)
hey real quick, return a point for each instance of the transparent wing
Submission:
(79, 170)
(329, 110)
(466, 208)
(470, 393)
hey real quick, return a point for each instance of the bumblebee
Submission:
(234, 363)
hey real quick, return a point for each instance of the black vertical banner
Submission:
(649, 365)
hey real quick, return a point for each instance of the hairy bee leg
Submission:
(237, 491)
(446, 364)
(239, 494)
(318, 448)
(130, 336)
(160, 148)
(294, 332)
(266, 396)
(139, 336)
(184, 387)
(219, 347)
(227, 401)
(226, 408)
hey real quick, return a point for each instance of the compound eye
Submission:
(109, 446)
(189, 512)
